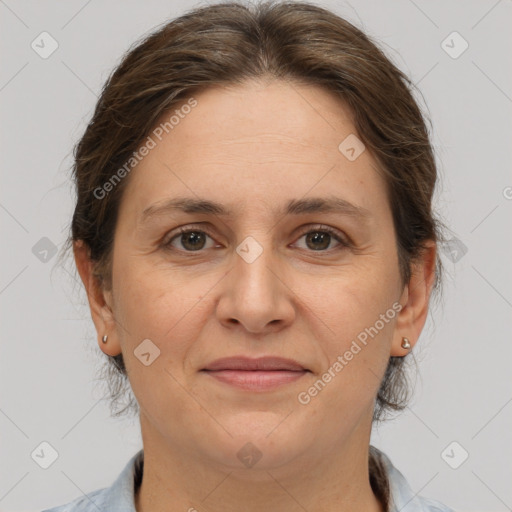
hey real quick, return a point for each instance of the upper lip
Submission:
(261, 363)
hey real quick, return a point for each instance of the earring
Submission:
(405, 343)
(104, 339)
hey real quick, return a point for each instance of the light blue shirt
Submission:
(119, 497)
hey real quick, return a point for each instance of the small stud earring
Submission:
(104, 339)
(405, 343)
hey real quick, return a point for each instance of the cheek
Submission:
(361, 337)
(361, 320)
(355, 359)
(159, 305)
(356, 298)
(167, 309)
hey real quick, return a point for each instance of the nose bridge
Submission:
(253, 263)
(255, 296)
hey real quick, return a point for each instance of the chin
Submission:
(260, 444)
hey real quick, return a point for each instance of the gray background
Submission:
(49, 355)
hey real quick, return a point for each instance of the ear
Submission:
(415, 301)
(99, 301)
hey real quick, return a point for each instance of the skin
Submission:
(253, 147)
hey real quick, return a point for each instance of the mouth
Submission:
(262, 374)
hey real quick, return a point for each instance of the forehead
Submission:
(276, 110)
(255, 141)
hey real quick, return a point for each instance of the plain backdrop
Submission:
(49, 357)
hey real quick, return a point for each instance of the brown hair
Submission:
(227, 44)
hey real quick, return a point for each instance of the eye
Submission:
(319, 238)
(192, 240)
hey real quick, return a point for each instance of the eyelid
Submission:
(169, 237)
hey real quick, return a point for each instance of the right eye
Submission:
(192, 240)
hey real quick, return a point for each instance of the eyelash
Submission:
(320, 228)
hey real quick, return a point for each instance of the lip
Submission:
(249, 364)
(261, 374)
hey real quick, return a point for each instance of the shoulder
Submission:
(91, 502)
(119, 497)
(402, 497)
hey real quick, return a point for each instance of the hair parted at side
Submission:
(228, 44)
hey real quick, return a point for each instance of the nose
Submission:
(255, 294)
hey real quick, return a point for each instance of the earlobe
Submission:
(109, 347)
(415, 302)
(101, 313)
(405, 344)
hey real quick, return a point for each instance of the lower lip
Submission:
(256, 380)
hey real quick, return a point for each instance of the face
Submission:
(264, 272)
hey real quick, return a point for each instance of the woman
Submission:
(255, 233)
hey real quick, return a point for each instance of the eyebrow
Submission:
(330, 204)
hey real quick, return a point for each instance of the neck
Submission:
(175, 479)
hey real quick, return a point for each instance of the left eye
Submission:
(322, 237)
